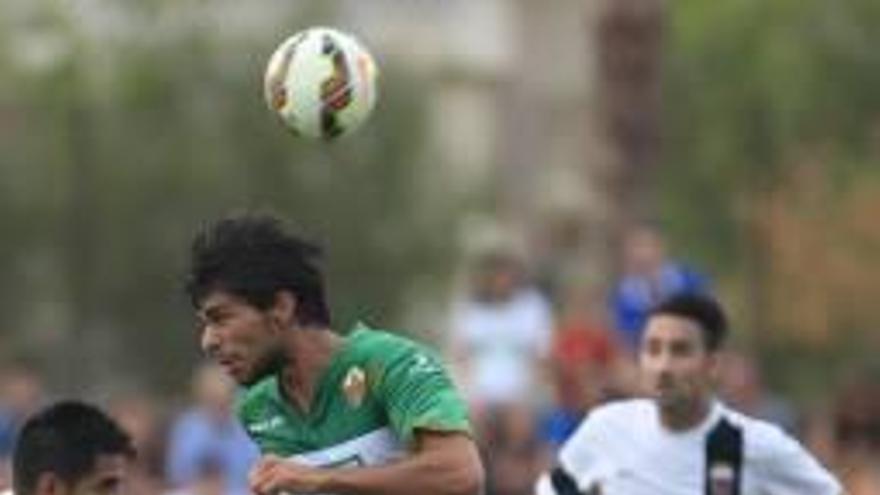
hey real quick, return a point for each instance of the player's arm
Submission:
(575, 469)
(427, 413)
(442, 464)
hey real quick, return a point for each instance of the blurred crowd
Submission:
(532, 353)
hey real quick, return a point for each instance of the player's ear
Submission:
(48, 483)
(283, 311)
(716, 360)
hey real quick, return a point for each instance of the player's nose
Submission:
(210, 340)
(661, 363)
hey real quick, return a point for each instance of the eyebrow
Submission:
(211, 311)
(672, 342)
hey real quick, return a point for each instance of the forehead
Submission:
(672, 328)
(218, 299)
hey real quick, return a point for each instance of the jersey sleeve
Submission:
(419, 394)
(590, 457)
(580, 456)
(580, 466)
(786, 468)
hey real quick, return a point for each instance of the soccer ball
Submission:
(321, 82)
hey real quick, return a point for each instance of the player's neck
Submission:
(684, 417)
(311, 351)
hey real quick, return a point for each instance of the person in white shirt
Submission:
(501, 333)
(681, 440)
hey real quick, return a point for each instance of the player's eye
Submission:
(653, 347)
(681, 348)
(215, 316)
(110, 486)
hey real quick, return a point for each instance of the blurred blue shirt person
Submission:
(209, 430)
(649, 278)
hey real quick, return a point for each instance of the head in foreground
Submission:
(251, 282)
(71, 448)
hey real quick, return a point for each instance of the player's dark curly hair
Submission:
(65, 439)
(253, 256)
(702, 310)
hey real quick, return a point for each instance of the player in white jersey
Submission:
(681, 440)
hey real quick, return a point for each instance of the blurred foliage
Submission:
(772, 138)
(114, 152)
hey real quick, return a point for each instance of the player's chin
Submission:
(236, 371)
(238, 377)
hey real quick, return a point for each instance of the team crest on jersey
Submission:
(721, 479)
(354, 386)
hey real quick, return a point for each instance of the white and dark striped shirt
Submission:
(622, 448)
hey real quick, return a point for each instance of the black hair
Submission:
(253, 256)
(65, 439)
(702, 310)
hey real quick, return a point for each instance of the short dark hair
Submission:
(65, 439)
(702, 309)
(253, 256)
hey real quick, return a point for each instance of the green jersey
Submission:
(376, 392)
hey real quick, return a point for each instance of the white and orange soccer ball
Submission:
(321, 82)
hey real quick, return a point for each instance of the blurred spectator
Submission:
(857, 416)
(584, 353)
(139, 416)
(209, 479)
(21, 394)
(501, 333)
(742, 385)
(209, 430)
(648, 278)
(818, 437)
(862, 476)
(515, 456)
(848, 435)
(559, 249)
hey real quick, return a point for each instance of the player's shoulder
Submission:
(762, 439)
(624, 408)
(620, 412)
(378, 345)
(609, 425)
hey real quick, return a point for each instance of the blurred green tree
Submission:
(771, 120)
(117, 153)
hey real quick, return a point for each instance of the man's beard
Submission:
(270, 364)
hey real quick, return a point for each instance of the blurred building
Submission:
(514, 91)
(510, 86)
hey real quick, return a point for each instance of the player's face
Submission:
(677, 369)
(240, 337)
(107, 478)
